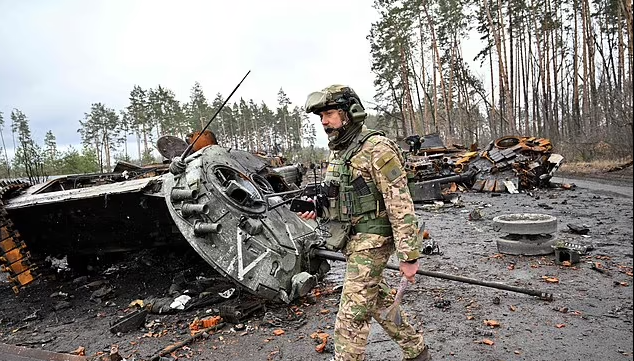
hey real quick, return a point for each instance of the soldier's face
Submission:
(331, 120)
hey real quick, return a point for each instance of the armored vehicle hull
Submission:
(228, 204)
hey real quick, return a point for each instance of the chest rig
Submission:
(350, 199)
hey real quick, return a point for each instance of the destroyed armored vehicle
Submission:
(228, 204)
(507, 164)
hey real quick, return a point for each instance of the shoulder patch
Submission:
(383, 160)
(388, 162)
(389, 166)
(391, 170)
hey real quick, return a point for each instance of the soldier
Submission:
(369, 215)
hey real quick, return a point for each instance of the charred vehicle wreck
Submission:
(228, 204)
(507, 164)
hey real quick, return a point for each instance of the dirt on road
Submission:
(590, 317)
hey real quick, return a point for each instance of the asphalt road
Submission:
(600, 186)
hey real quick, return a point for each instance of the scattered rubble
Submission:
(508, 164)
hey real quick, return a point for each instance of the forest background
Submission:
(560, 69)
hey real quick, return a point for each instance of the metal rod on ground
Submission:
(191, 145)
(171, 348)
(543, 295)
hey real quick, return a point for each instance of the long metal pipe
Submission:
(336, 256)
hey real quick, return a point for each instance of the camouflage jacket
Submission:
(380, 160)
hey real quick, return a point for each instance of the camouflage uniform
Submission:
(367, 192)
(365, 293)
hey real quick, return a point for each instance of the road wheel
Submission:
(525, 223)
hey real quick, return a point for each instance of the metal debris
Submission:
(235, 313)
(131, 321)
(568, 252)
(508, 164)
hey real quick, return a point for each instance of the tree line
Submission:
(151, 113)
(560, 69)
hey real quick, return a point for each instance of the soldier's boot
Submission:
(423, 356)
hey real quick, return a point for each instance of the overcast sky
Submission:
(58, 57)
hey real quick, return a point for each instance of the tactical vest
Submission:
(353, 198)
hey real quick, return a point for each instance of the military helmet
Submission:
(336, 97)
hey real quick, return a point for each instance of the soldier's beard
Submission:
(340, 138)
(332, 133)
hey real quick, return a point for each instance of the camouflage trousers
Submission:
(365, 295)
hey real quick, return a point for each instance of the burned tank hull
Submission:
(224, 205)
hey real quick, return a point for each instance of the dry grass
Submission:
(594, 167)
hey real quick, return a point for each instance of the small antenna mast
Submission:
(191, 145)
(178, 164)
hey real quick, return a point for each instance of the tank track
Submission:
(14, 257)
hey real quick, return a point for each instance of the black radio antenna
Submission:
(178, 165)
(191, 145)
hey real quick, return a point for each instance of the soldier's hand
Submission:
(408, 270)
(309, 214)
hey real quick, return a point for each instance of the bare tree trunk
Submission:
(585, 102)
(591, 76)
(621, 70)
(576, 109)
(145, 141)
(407, 96)
(469, 125)
(138, 144)
(511, 63)
(449, 93)
(494, 130)
(419, 126)
(525, 73)
(398, 102)
(99, 156)
(106, 143)
(626, 8)
(555, 101)
(502, 74)
(438, 63)
(427, 124)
